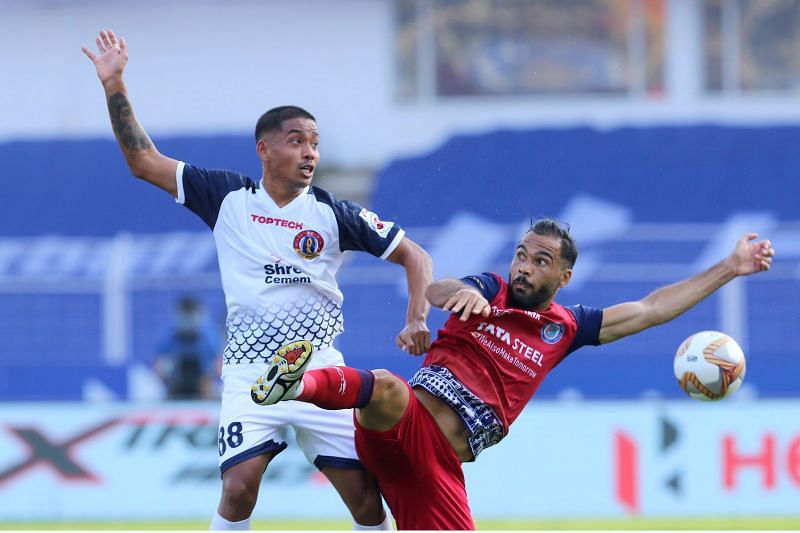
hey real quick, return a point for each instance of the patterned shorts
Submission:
(483, 424)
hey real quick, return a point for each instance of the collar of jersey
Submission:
(264, 196)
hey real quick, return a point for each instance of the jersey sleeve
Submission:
(361, 229)
(202, 190)
(589, 320)
(487, 283)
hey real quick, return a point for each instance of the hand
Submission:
(415, 338)
(751, 257)
(468, 302)
(113, 56)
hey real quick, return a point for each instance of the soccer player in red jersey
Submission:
(500, 342)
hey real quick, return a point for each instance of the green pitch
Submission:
(670, 524)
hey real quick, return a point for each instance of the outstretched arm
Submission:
(454, 295)
(142, 157)
(415, 338)
(666, 303)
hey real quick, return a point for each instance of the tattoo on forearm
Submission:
(130, 134)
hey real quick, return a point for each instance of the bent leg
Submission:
(418, 471)
(380, 396)
(387, 404)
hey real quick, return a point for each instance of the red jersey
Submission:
(503, 359)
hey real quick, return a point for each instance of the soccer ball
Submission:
(709, 366)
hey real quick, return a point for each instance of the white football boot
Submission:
(283, 375)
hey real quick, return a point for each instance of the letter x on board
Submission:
(57, 455)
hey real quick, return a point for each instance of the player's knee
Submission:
(239, 495)
(388, 388)
(387, 403)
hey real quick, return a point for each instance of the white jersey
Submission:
(278, 264)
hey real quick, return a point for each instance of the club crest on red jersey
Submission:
(308, 244)
(552, 332)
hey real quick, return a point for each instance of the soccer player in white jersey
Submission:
(280, 242)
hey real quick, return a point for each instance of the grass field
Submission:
(668, 524)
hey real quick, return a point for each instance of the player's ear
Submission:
(566, 275)
(262, 148)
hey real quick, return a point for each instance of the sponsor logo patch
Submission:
(376, 224)
(308, 244)
(291, 224)
(552, 332)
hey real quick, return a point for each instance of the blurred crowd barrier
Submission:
(127, 461)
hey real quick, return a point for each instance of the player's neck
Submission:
(545, 305)
(282, 195)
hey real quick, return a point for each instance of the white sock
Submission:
(386, 525)
(220, 524)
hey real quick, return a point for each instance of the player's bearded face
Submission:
(536, 273)
(523, 294)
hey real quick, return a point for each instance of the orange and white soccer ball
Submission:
(709, 366)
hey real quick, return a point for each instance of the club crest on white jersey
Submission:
(308, 244)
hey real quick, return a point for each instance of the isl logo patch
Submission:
(308, 244)
(552, 332)
(376, 224)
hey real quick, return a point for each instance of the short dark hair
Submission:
(273, 119)
(554, 228)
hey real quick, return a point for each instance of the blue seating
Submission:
(648, 206)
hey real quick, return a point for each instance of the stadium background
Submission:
(660, 130)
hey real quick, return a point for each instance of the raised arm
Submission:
(415, 338)
(666, 303)
(142, 157)
(454, 295)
